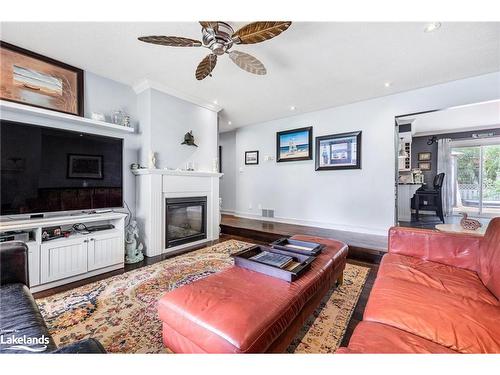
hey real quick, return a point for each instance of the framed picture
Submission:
(220, 159)
(338, 151)
(39, 81)
(85, 166)
(294, 145)
(251, 157)
(424, 166)
(424, 156)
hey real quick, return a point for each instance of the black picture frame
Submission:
(280, 159)
(79, 78)
(425, 156)
(220, 159)
(251, 152)
(354, 135)
(71, 173)
(425, 166)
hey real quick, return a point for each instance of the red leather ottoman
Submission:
(242, 311)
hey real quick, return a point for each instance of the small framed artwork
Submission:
(424, 156)
(39, 81)
(294, 145)
(424, 166)
(338, 151)
(251, 157)
(85, 166)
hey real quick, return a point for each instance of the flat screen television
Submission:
(46, 169)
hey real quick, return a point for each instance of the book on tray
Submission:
(273, 259)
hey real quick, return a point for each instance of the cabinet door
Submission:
(33, 263)
(63, 258)
(105, 250)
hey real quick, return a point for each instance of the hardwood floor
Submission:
(362, 247)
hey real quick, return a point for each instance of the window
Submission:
(477, 169)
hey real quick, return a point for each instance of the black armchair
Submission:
(430, 200)
(20, 317)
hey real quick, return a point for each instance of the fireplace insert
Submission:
(186, 220)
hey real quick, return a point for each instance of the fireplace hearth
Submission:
(185, 221)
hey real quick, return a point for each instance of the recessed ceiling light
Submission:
(216, 102)
(433, 26)
(229, 123)
(387, 84)
(292, 108)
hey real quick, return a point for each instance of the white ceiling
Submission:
(311, 66)
(463, 118)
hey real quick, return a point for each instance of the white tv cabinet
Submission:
(79, 256)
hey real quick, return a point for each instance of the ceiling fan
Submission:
(219, 37)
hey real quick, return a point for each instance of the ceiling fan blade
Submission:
(206, 66)
(257, 32)
(247, 62)
(172, 41)
(214, 25)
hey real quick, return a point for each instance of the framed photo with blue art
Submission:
(294, 145)
(338, 151)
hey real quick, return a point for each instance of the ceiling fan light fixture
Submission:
(219, 37)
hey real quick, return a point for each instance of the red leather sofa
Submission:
(434, 293)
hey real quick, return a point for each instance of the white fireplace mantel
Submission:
(154, 186)
(175, 172)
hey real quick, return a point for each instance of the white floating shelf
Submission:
(7, 108)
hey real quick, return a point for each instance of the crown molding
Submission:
(146, 84)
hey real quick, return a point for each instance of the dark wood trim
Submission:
(278, 150)
(357, 134)
(79, 77)
(247, 152)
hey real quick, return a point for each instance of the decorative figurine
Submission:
(133, 251)
(189, 139)
(469, 224)
(152, 160)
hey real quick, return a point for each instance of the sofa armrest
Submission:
(88, 346)
(13, 263)
(453, 249)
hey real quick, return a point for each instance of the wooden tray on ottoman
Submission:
(241, 259)
(295, 246)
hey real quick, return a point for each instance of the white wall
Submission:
(164, 121)
(358, 200)
(228, 182)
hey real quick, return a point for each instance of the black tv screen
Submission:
(46, 170)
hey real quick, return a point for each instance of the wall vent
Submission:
(267, 212)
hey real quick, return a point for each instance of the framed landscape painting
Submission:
(294, 145)
(338, 151)
(29, 78)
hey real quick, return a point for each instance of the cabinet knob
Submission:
(92, 239)
(85, 240)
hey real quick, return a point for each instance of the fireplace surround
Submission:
(157, 186)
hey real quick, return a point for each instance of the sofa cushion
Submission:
(489, 259)
(459, 323)
(19, 315)
(370, 337)
(438, 276)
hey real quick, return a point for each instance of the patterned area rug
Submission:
(121, 311)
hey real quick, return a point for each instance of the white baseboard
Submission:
(227, 212)
(318, 224)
